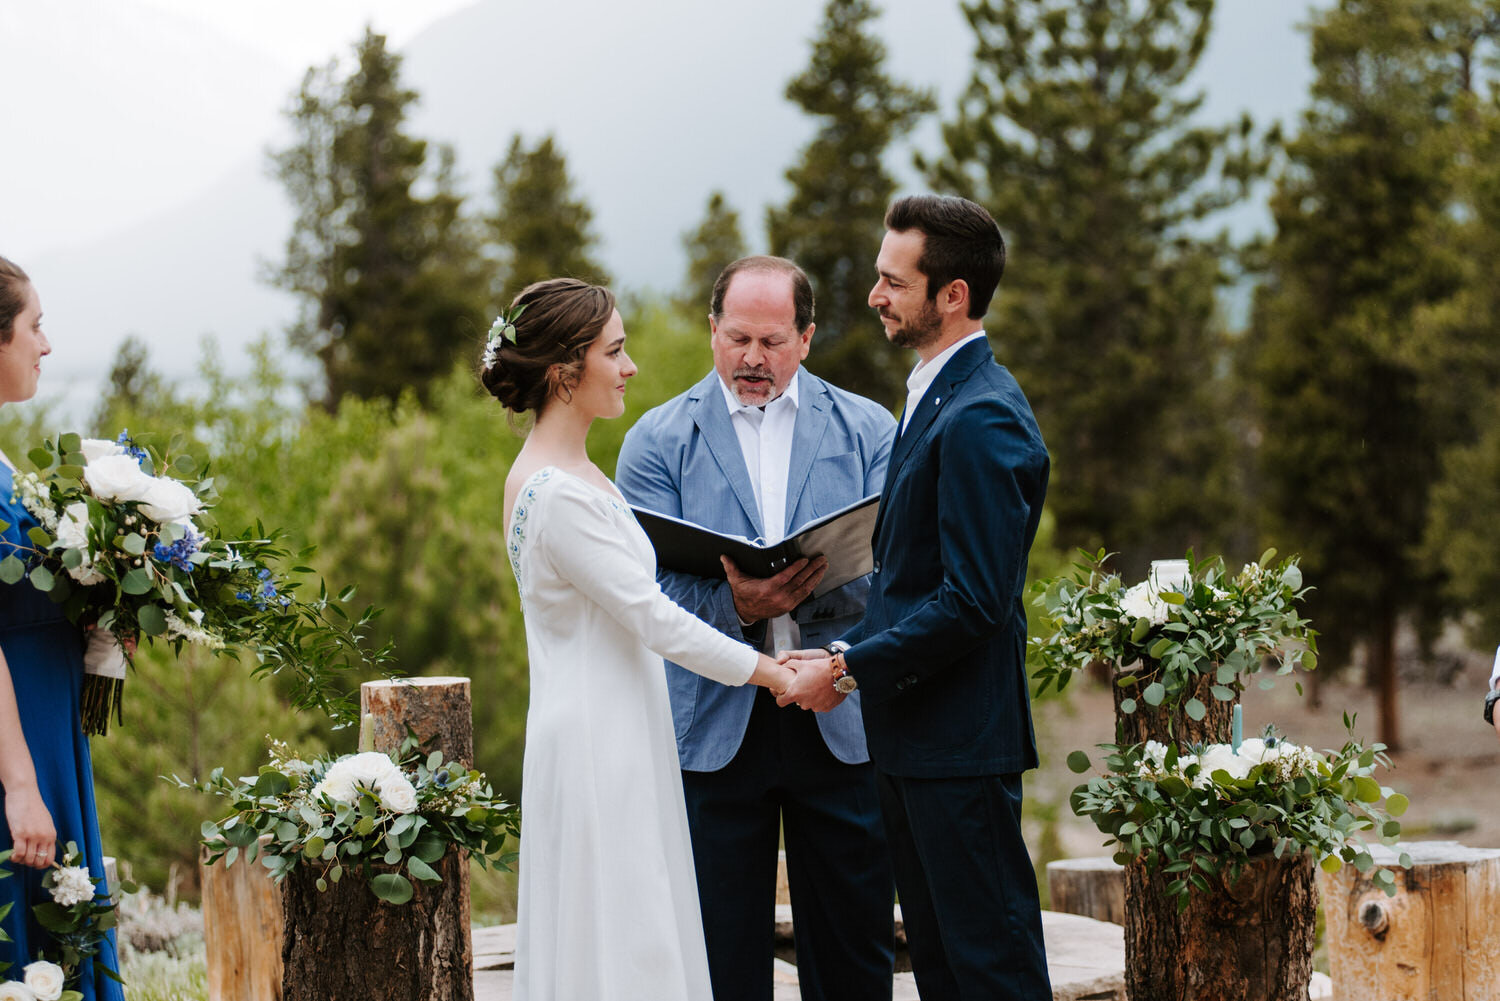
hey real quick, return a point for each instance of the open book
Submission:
(843, 536)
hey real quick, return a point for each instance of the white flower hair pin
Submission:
(503, 330)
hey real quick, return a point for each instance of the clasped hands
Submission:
(811, 684)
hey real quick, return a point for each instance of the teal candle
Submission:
(1234, 739)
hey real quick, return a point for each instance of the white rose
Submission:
(14, 990)
(116, 478)
(72, 527)
(45, 980)
(353, 772)
(1253, 749)
(72, 885)
(1220, 756)
(1140, 602)
(398, 795)
(166, 500)
(97, 448)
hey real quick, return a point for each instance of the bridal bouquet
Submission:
(125, 542)
(357, 812)
(77, 917)
(1196, 812)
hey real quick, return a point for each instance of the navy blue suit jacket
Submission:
(940, 653)
(683, 458)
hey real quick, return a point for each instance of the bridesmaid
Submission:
(46, 778)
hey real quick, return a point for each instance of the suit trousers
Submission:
(784, 780)
(968, 892)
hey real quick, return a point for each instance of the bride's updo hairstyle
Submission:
(13, 284)
(560, 319)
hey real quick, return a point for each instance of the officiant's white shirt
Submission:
(921, 377)
(765, 435)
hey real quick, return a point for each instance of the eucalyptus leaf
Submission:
(392, 887)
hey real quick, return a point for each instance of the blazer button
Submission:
(877, 566)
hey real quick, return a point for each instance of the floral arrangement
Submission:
(389, 819)
(1187, 619)
(126, 541)
(78, 918)
(1195, 813)
(502, 332)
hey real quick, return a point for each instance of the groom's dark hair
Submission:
(802, 293)
(959, 240)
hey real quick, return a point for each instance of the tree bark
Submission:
(1384, 657)
(242, 931)
(433, 707)
(1091, 887)
(1173, 725)
(1251, 941)
(348, 943)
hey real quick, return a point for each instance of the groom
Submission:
(758, 448)
(939, 656)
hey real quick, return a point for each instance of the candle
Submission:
(1235, 732)
(1170, 575)
(367, 732)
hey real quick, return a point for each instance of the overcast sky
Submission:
(129, 120)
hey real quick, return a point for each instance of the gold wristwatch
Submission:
(843, 681)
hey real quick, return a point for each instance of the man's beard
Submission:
(753, 372)
(921, 330)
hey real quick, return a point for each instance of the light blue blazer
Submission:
(683, 458)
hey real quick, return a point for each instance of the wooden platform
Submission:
(1085, 958)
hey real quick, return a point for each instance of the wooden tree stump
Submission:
(346, 942)
(242, 930)
(1251, 941)
(1434, 939)
(1159, 723)
(433, 707)
(1091, 887)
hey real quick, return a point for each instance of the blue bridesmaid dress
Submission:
(44, 652)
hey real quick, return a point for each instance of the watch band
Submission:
(1489, 705)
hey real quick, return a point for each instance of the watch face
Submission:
(845, 685)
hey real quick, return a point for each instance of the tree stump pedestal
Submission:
(1248, 941)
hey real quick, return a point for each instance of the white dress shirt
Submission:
(1495, 672)
(921, 377)
(765, 435)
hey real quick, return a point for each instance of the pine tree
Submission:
(131, 385)
(390, 280)
(1078, 134)
(541, 227)
(832, 224)
(1348, 380)
(712, 246)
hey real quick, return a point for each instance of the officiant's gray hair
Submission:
(562, 316)
(802, 293)
(13, 285)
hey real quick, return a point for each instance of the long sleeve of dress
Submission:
(587, 544)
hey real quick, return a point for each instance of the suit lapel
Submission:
(712, 418)
(954, 373)
(807, 435)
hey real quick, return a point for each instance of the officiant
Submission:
(758, 448)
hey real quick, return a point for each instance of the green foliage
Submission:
(391, 282)
(1218, 623)
(1363, 373)
(131, 380)
(1203, 814)
(710, 248)
(1077, 134)
(1461, 537)
(389, 819)
(832, 224)
(541, 228)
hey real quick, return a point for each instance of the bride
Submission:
(608, 902)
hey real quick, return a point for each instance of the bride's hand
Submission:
(769, 674)
(782, 656)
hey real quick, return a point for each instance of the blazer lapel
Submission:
(954, 373)
(712, 418)
(807, 435)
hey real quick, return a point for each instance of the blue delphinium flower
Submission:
(129, 445)
(265, 592)
(178, 553)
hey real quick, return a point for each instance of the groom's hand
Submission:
(757, 598)
(812, 688)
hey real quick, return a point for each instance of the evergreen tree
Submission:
(541, 227)
(1365, 247)
(131, 385)
(711, 247)
(390, 280)
(832, 224)
(1078, 135)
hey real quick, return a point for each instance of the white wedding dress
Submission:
(608, 900)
